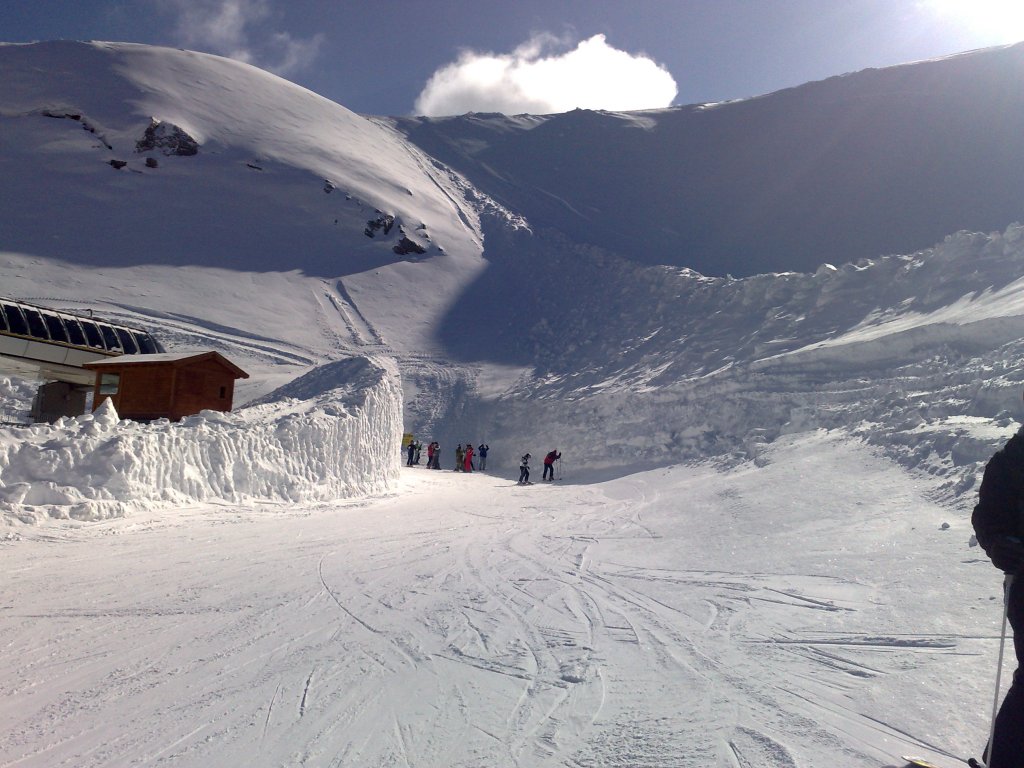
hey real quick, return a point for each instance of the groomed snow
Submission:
(806, 610)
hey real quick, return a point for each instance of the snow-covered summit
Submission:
(277, 178)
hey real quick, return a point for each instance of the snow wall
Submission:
(334, 433)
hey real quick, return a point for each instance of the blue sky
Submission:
(378, 56)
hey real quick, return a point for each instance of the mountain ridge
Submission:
(833, 170)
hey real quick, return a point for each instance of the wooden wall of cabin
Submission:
(202, 386)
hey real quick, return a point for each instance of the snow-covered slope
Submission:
(876, 162)
(119, 155)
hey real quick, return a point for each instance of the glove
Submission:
(1006, 553)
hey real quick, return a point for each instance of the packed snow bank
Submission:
(341, 441)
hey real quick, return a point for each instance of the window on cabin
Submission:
(3, 320)
(56, 327)
(146, 344)
(16, 320)
(223, 392)
(92, 334)
(36, 326)
(109, 383)
(127, 341)
(75, 334)
(110, 338)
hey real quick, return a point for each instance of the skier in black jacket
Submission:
(998, 521)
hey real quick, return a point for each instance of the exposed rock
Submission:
(151, 162)
(383, 221)
(328, 187)
(406, 246)
(78, 118)
(168, 138)
(118, 164)
(62, 115)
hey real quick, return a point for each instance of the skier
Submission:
(430, 455)
(482, 453)
(524, 470)
(460, 457)
(999, 525)
(416, 453)
(467, 465)
(549, 465)
(437, 455)
(411, 448)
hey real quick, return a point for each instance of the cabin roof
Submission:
(174, 359)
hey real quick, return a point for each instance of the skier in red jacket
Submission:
(549, 465)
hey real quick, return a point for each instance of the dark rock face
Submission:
(78, 118)
(383, 221)
(405, 246)
(168, 138)
(118, 164)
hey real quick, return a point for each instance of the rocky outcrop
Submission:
(383, 221)
(78, 118)
(405, 246)
(168, 138)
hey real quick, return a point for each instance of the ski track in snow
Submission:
(479, 624)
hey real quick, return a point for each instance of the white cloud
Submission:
(593, 75)
(237, 29)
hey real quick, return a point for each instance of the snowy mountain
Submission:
(121, 156)
(758, 549)
(865, 164)
(260, 219)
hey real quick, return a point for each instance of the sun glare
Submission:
(1003, 20)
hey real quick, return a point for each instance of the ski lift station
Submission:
(55, 347)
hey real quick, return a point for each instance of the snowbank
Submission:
(341, 441)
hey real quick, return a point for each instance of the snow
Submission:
(339, 441)
(685, 616)
(759, 551)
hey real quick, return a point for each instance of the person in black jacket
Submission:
(998, 521)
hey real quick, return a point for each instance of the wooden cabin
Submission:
(165, 385)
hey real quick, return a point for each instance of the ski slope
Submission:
(687, 616)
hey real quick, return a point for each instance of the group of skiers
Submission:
(549, 467)
(463, 456)
(464, 459)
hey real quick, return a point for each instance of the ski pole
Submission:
(1007, 585)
